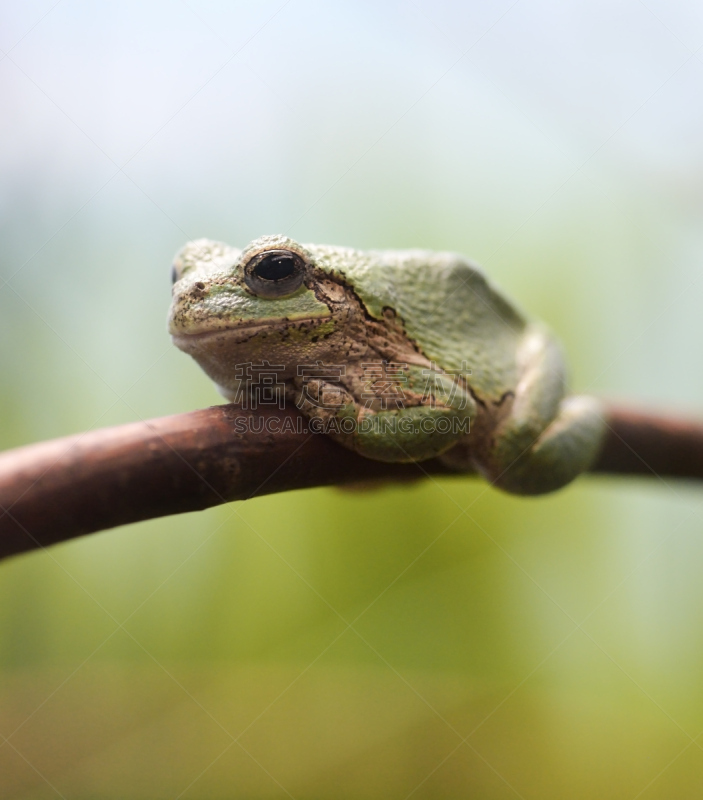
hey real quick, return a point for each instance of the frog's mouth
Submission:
(238, 334)
(233, 334)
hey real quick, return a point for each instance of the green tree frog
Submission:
(400, 355)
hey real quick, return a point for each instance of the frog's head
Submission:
(265, 302)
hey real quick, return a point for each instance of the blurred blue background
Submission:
(436, 640)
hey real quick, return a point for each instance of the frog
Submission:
(398, 355)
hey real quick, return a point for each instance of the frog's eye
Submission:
(274, 273)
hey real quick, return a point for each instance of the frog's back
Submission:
(448, 308)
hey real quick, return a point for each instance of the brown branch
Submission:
(57, 490)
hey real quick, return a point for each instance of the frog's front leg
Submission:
(547, 439)
(390, 412)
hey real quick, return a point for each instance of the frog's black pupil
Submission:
(275, 267)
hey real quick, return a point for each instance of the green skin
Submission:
(481, 387)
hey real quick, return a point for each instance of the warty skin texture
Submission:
(487, 367)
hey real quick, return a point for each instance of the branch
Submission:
(57, 490)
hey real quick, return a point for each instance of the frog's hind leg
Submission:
(566, 448)
(547, 439)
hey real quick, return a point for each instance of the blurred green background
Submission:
(438, 640)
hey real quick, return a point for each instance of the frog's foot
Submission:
(566, 448)
(407, 435)
(413, 425)
(396, 436)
